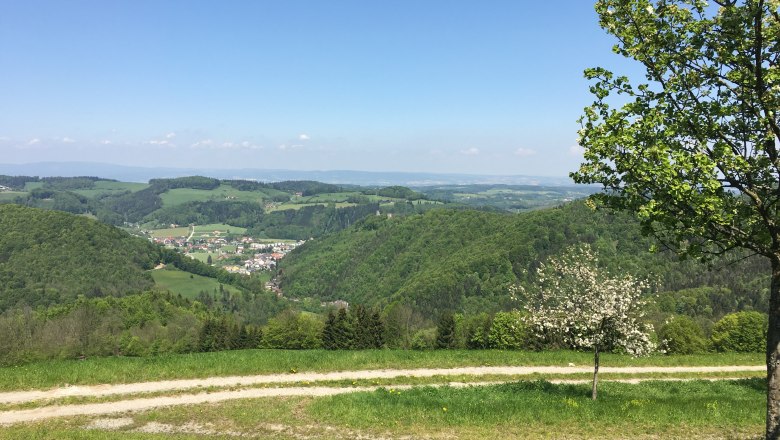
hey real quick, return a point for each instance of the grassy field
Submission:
(171, 232)
(327, 198)
(533, 410)
(180, 196)
(252, 362)
(274, 240)
(203, 257)
(540, 409)
(29, 186)
(206, 231)
(187, 284)
(9, 196)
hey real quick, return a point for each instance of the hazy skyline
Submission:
(461, 87)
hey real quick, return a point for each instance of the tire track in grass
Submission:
(16, 397)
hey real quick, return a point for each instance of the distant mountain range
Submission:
(344, 177)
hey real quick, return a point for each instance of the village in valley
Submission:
(224, 246)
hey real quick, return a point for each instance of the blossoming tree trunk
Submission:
(595, 373)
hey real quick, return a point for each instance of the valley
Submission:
(342, 294)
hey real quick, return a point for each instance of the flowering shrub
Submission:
(587, 307)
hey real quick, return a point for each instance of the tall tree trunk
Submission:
(595, 372)
(773, 356)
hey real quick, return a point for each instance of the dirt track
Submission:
(137, 404)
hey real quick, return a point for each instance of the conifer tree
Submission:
(360, 320)
(329, 332)
(376, 329)
(445, 331)
(344, 332)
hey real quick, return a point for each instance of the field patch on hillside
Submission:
(180, 196)
(171, 232)
(187, 284)
(217, 230)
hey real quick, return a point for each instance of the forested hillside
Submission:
(72, 286)
(463, 260)
(49, 257)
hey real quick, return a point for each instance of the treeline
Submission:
(397, 192)
(356, 329)
(71, 183)
(361, 328)
(195, 182)
(145, 324)
(154, 323)
(56, 183)
(17, 183)
(305, 187)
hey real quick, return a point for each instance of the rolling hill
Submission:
(464, 260)
(49, 257)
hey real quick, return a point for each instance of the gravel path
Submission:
(138, 404)
(16, 397)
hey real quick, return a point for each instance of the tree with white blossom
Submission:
(588, 307)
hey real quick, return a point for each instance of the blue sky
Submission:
(489, 87)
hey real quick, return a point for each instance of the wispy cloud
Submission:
(203, 143)
(160, 142)
(33, 141)
(303, 137)
(285, 147)
(67, 140)
(105, 142)
(524, 152)
(470, 151)
(224, 145)
(170, 135)
(251, 146)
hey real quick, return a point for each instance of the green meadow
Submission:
(187, 284)
(171, 232)
(203, 257)
(525, 409)
(540, 409)
(29, 186)
(215, 229)
(9, 196)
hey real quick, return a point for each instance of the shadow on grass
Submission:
(541, 385)
(753, 383)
